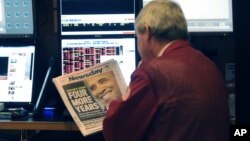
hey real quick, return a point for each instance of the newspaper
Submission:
(88, 92)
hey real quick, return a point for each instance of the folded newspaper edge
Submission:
(78, 95)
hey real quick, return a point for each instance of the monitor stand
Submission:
(39, 110)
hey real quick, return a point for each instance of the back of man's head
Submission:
(165, 19)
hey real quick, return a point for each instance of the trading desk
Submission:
(30, 125)
(50, 127)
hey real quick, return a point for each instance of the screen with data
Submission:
(78, 54)
(97, 17)
(16, 73)
(94, 31)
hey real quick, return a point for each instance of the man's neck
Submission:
(164, 48)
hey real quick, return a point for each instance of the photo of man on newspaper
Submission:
(104, 88)
(87, 93)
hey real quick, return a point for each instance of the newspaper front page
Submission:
(87, 93)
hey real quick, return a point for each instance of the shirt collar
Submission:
(164, 48)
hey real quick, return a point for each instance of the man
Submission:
(176, 93)
(104, 88)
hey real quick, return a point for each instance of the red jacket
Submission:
(179, 96)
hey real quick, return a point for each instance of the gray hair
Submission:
(165, 20)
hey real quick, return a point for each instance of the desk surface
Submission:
(31, 124)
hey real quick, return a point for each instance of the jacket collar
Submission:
(175, 45)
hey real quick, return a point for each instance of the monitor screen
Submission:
(16, 18)
(78, 53)
(93, 31)
(16, 74)
(97, 17)
(206, 15)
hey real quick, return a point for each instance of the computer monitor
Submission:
(93, 31)
(206, 15)
(81, 53)
(96, 17)
(16, 18)
(16, 75)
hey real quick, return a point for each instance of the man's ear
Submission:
(148, 32)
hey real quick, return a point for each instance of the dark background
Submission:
(242, 44)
